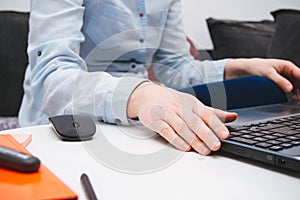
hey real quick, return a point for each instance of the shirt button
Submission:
(118, 121)
(141, 40)
(39, 53)
(141, 15)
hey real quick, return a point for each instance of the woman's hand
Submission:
(284, 73)
(178, 117)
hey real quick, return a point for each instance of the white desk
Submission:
(191, 177)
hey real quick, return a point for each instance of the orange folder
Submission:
(42, 184)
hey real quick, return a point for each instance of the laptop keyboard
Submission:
(275, 134)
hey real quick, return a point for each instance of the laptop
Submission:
(269, 134)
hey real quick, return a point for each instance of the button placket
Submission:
(143, 22)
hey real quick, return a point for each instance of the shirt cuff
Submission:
(219, 66)
(120, 98)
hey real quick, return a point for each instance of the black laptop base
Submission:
(275, 141)
(262, 155)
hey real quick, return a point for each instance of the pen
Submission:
(87, 186)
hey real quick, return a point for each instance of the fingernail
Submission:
(288, 87)
(217, 146)
(204, 151)
(225, 134)
(185, 147)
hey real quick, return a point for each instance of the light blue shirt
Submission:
(87, 56)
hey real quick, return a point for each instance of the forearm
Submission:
(190, 73)
(72, 91)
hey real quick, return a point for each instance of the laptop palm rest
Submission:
(266, 112)
(295, 151)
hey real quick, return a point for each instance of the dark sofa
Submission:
(13, 62)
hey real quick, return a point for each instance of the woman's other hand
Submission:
(284, 73)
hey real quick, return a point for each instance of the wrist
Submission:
(235, 68)
(134, 100)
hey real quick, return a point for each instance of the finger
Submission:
(182, 129)
(204, 133)
(201, 148)
(168, 133)
(225, 116)
(212, 121)
(296, 94)
(290, 70)
(282, 82)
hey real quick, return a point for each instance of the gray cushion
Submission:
(286, 40)
(240, 39)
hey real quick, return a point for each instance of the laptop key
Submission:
(243, 140)
(275, 148)
(245, 131)
(288, 123)
(295, 143)
(262, 124)
(235, 133)
(295, 129)
(285, 131)
(270, 126)
(286, 145)
(279, 135)
(263, 144)
(237, 128)
(257, 134)
(266, 132)
(271, 137)
(260, 139)
(283, 140)
(295, 126)
(277, 121)
(254, 129)
(293, 138)
(247, 136)
(274, 142)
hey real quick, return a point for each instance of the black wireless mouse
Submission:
(73, 127)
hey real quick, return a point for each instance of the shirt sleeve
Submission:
(173, 64)
(60, 82)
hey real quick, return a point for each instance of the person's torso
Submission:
(121, 35)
